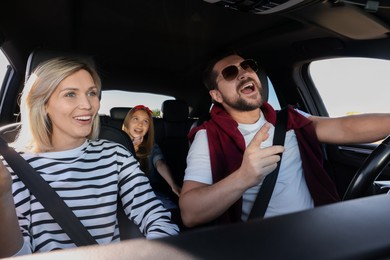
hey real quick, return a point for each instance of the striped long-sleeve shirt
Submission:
(89, 179)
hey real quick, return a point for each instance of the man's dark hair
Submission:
(209, 75)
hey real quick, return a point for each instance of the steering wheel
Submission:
(369, 171)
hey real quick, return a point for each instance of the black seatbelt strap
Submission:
(44, 193)
(263, 197)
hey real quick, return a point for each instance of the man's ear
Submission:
(216, 95)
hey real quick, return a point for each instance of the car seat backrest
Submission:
(117, 116)
(175, 118)
(264, 83)
(119, 113)
(174, 145)
(41, 55)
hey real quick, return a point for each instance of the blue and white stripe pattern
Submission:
(89, 179)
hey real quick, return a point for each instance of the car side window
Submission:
(272, 98)
(352, 85)
(3, 67)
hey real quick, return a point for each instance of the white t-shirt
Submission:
(291, 193)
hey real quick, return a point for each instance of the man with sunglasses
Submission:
(232, 153)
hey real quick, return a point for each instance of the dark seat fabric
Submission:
(119, 113)
(174, 145)
(264, 83)
(171, 135)
(117, 116)
(175, 118)
(40, 55)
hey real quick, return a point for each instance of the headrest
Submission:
(119, 113)
(40, 55)
(174, 110)
(264, 83)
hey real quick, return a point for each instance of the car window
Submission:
(3, 66)
(352, 85)
(272, 98)
(117, 98)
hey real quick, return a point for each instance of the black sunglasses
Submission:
(230, 72)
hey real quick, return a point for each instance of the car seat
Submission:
(117, 116)
(174, 144)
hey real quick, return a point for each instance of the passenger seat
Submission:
(174, 143)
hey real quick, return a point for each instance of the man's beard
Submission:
(241, 104)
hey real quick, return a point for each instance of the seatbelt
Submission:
(44, 193)
(263, 197)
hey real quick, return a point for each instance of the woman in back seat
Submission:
(138, 124)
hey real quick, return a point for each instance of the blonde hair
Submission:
(36, 128)
(145, 148)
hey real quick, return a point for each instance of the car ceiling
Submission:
(165, 43)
